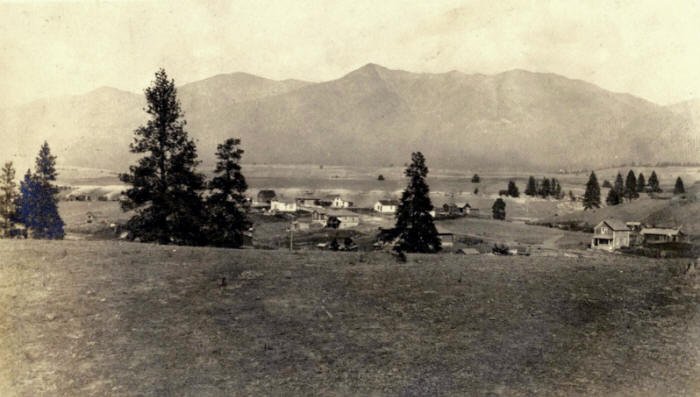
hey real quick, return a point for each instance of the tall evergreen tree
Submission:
(679, 188)
(165, 186)
(641, 183)
(414, 224)
(619, 186)
(227, 221)
(631, 186)
(531, 188)
(556, 189)
(45, 165)
(591, 198)
(513, 189)
(498, 209)
(8, 197)
(654, 184)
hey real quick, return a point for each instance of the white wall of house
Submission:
(281, 206)
(384, 208)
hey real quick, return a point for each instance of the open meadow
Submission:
(116, 318)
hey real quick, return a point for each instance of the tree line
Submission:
(628, 189)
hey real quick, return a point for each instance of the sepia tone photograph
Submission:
(349, 198)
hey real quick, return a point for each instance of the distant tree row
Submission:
(35, 205)
(167, 192)
(545, 188)
(628, 189)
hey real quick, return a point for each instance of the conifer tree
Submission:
(414, 224)
(476, 178)
(531, 189)
(679, 188)
(165, 187)
(619, 186)
(631, 186)
(498, 209)
(8, 197)
(591, 198)
(654, 184)
(227, 221)
(545, 188)
(641, 183)
(513, 189)
(607, 184)
(614, 197)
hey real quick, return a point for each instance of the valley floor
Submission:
(117, 318)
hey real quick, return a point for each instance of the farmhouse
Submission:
(659, 235)
(282, 206)
(610, 234)
(347, 219)
(386, 206)
(446, 237)
(338, 202)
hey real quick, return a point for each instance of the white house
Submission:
(282, 206)
(347, 219)
(386, 206)
(610, 234)
(338, 202)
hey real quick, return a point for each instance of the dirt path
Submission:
(551, 243)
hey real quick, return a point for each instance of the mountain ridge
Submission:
(374, 115)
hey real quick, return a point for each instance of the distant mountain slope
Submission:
(377, 116)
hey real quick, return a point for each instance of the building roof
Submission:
(468, 251)
(668, 231)
(389, 202)
(615, 224)
(337, 213)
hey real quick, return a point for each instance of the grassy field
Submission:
(114, 318)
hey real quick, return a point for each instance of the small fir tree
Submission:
(619, 186)
(631, 186)
(641, 183)
(414, 224)
(591, 198)
(513, 189)
(531, 189)
(545, 187)
(498, 209)
(654, 184)
(607, 184)
(476, 178)
(614, 197)
(678, 188)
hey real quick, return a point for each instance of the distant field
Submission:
(108, 318)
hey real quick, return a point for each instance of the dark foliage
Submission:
(416, 230)
(678, 188)
(641, 183)
(165, 188)
(8, 197)
(654, 184)
(37, 208)
(614, 197)
(607, 184)
(476, 178)
(227, 221)
(531, 189)
(499, 209)
(513, 189)
(380, 177)
(631, 186)
(591, 198)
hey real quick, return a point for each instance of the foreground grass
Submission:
(108, 318)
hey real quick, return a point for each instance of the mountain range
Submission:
(374, 116)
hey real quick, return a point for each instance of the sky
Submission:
(52, 48)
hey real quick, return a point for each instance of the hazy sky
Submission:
(647, 48)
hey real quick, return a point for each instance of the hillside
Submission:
(509, 120)
(99, 318)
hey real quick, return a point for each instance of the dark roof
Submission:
(389, 202)
(615, 224)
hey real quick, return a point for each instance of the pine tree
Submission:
(679, 188)
(476, 178)
(556, 189)
(227, 220)
(498, 209)
(607, 184)
(513, 189)
(654, 184)
(37, 208)
(591, 198)
(619, 186)
(631, 186)
(614, 197)
(45, 167)
(531, 189)
(165, 187)
(641, 183)
(8, 197)
(414, 224)
(545, 188)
